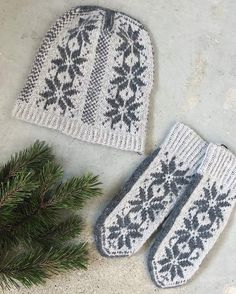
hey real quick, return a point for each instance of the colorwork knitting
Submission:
(92, 79)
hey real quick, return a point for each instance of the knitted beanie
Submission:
(92, 79)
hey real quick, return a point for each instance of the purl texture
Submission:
(196, 221)
(92, 79)
(150, 194)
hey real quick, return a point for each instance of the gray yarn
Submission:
(92, 78)
(164, 230)
(150, 194)
(119, 196)
(196, 221)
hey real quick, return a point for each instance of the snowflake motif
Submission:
(59, 90)
(59, 94)
(122, 111)
(196, 230)
(130, 41)
(129, 76)
(193, 233)
(174, 262)
(147, 204)
(81, 31)
(124, 231)
(171, 177)
(213, 203)
(69, 62)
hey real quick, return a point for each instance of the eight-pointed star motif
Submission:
(129, 76)
(58, 94)
(130, 41)
(68, 61)
(193, 233)
(81, 31)
(213, 202)
(122, 111)
(124, 231)
(147, 204)
(171, 177)
(174, 262)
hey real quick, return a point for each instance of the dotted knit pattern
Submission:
(196, 222)
(128, 222)
(97, 75)
(92, 79)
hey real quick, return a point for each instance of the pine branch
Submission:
(69, 257)
(73, 193)
(50, 175)
(64, 231)
(33, 157)
(13, 193)
(8, 241)
(23, 230)
(31, 213)
(38, 214)
(33, 229)
(35, 207)
(35, 266)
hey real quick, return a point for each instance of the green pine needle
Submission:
(14, 192)
(64, 231)
(37, 219)
(35, 210)
(74, 192)
(33, 157)
(50, 175)
(34, 266)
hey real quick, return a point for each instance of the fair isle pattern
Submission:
(99, 69)
(60, 92)
(179, 253)
(144, 207)
(92, 79)
(124, 103)
(149, 203)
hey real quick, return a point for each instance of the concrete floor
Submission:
(195, 82)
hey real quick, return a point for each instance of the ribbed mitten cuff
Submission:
(219, 163)
(185, 143)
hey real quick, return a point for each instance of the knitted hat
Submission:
(92, 78)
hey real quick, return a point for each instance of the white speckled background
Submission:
(195, 82)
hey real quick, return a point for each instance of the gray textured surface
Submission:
(195, 82)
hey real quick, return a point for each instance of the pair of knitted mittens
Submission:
(186, 189)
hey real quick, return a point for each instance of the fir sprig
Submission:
(33, 157)
(34, 266)
(37, 219)
(64, 231)
(14, 192)
(78, 189)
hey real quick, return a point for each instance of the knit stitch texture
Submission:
(196, 221)
(92, 79)
(150, 194)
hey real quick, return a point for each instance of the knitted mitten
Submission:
(149, 195)
(197, 220)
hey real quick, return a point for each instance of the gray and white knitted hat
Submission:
(92, 79)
